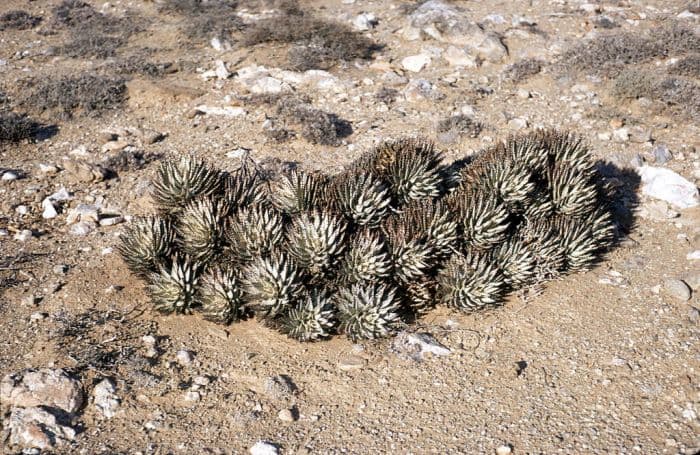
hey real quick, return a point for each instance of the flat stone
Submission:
(105, 399)
(83, 212)
(664, 184)
(226, 111)
(23, 235)
(264, 448)
(184, 357)
(456, 56)
(9, 176)
(416, 345)
(220, 70)
(677, 289)
(415, 63)
(286, 415)
(45, 387)
(36, 428)
(110, 219)
(661, 154)
(365, 21)
(351, 362)
(82, 228)
(49, 211)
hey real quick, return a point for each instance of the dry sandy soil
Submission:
(600, 362)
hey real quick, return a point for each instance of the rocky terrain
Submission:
(93, 95)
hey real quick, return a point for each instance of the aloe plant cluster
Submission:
(374, 246)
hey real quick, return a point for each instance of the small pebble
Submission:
(661, 154)
(202, 380)
(184, 357)
(264, 448)
(9, 176)
(23, 235)
(677, 289)
(191, 396)
(504, 450)
(286, 415)
(351, 362)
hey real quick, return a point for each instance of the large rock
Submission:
(664, 184)
(449, 24)
(36, 428)
(45, 387)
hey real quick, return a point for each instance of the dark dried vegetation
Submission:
(15, 127)
(315, 42)
(87, 94)
(610, 52)
(677, 94)
(204, 20)
(18, 20)
(522, 70)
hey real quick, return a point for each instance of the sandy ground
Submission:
(599, 362)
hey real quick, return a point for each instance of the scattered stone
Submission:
(22, 209)
(220, 70)
(264, 448)
(365, 21)
(23, 235)
(692, 279)
(523, 94)
(517, 123)
(257, 80)
(504, 450)
(677, 289)
(184, 357)
(415, 345)
(110, 219)
(351, 362)
(38, 316)
(151, 136)
(201, 381)
(45, 387)
(216, 44)
(446, 23)
(192, 396)
(661, 154)
(420, 89)
(105, 399)
(48, 169)
(639, 135)
(621, 135)
(664, 184)
(280, 387)
(415, 63)
(226, 111)
(61, 195)
(694, 314)
(456, 56)
(286, 415)
(36, 428)
(82, 228)
(83, 212)
(657, 211)
(9, 176)
(83, 172)
(49, 211)
(114, 146)
(693, 255)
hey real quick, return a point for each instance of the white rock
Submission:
(184, 357)
(82, 228)
(517, 123)
(416, 345)
(664, 184)
(677, 289)
(22, 209)
(504, 450)
(365, 21)
(285, 415)
(44, 387)
(111, 219)
(494, 19)
(415, 63)
(264, 448)
(693, 256)
(621, 135)
(257, 79)
(456, 56)
(590, 8)
(49, 210)
(23, 235)
(36, 428)
(220, 70)
(686, 15)
(83, 212)
(226, 111)
(419, 89)
(105, 399)
(451, 24)
(61, 195)
(192, 396)
(216, 44)
(48, 169)
(9, 176)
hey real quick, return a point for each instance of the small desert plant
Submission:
(376, 245)
(15, 127)
(18, 20)
(88, 93)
